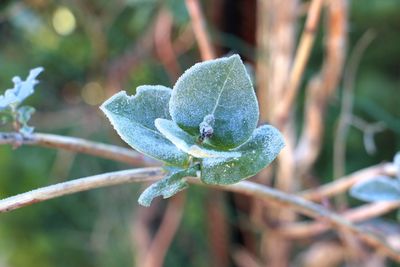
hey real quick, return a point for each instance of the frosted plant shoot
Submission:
(205, 126)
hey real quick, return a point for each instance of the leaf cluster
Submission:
(11, 109)
(205, 126)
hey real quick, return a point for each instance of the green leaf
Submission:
(381, 188)
(259, 151)
(187, 143)
(24, 115)
(221, 88)
(133, 119)
(170, 185)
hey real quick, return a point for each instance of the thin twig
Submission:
(276, 37)
(322, 86)
(112, 152)
(79, 185)
(343, 184)
(270, 195)
(368, 130)
(198, 23)
(306, 207)
(339, 144)
(123, 65)
(363, 213)
(164, 46)
(157, 251)
(300, 60)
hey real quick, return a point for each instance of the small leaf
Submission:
(381, 188)
(25, 114)
(170, 185)
(21, 90)
(261, 149)
(133, 119)
(187, 143)
(220, 88)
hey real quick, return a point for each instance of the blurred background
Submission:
(91, 49)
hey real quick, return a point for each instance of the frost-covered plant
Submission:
(204, 127)
(381, 188)
(11, 100)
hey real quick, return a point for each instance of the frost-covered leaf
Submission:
(22, 89)
(187, 143)
(24, 115)
(381, 188)
(259, 151)
(7, 99)
(133, 118)
(220, 88)
(170, 185)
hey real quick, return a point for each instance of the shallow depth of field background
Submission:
(84, 47)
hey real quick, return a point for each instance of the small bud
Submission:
(209, 119)
(205, 127)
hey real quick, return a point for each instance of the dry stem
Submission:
(343, 184)
(198, 23)
(359, 214)
(322, 86)
(300, 60)
(112, 152)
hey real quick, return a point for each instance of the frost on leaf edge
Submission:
(180, 161)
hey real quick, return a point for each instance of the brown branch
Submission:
(122, 66)
(169, 226)
(270, 195)
(244, 258)
(300, 61)
(276, 35)
(343, 184)
(163, 45)
(198, 22)
(313, 210)
(77, 145)
(322, 86)
(262, 66)
(359, 214)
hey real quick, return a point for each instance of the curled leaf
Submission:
(133, 119)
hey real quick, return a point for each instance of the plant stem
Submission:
(359, 214)
(343, 184)
(270, 195)
(77, 145)
(300, 60)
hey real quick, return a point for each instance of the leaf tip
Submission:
(103, 107)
